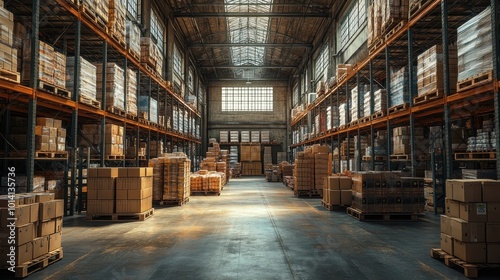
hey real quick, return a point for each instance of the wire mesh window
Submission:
(177, 61)
(321, 63)
(247, 99)
(352, 21)
(157, 32)
(295, 95)
(133, 8)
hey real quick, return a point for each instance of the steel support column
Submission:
(347, 120)
(372, 110)
(495, 20)
(103, 99)
(412, 91)
(388, 90)
(359, 109)
(448, 162)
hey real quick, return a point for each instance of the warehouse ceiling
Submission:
(251, 39)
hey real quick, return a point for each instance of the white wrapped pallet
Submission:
(399, 87)
(144, 102)
(357, 93)
(343, 114)
(134, 38)
(115, 85)
(132, 92)
(379, 101)
(87, 77)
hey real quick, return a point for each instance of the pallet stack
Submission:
(401, 141)
(115, 87)
(379, 103)
(7, 51)
(357, 101)
(273, 173)
(117, 21)
(117, 193)
(134, 39)
(379, 144)
(38, 230)
(474, 47)
(205, 182)
(268, 156)
(484, 141)
(470, 229)
(113, 139)
(386, 193)
(250, 160)
(337, 192)
(332, 117)
(49, 135)
(430, 71)
(342, 71)
(234, 137)
(312, 166)
(245, 136)
(255, 136)
(149, 108)
(151, 56)
(343, 118)
(132, 92)
(399, 87)
(265, 136)
(224, 136)
(87, 80)
(374, 24)
(176, 174)
(393, 12)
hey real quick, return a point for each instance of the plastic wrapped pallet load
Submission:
(399, 88)
(134, 38)
(144, 103)
(115, 84)
(87, 77)
(132, 92)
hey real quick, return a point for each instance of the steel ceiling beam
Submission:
(250, 14)
(229, 45)
(248, 67)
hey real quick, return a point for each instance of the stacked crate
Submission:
(7, 52)
(224, 136)
(87, 77)
(134, 191)
(430, 70)
(347, 148)
(250, 160)
(177, 169)
(113, 138)
(401, 141)
(49, 135)
(474, 47)
(117, 21)
(392, 13)
(268, 156)
(470, 228)
(132, 92)
(399, 87)
(311, 168)
(255, 136)
(51, 65)
(332, 117)
(115, 85)
(37, 231)
(151, 55)
(265, 136)
(343, 114)
(337, 191)
(134, 39)
(357, 96)
(245, 136)
(101, 186)
(387, 192)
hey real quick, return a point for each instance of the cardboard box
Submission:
(346, 197)
(107, 172)
(467, 190)
(139, 205)
(493, 212)
(5, 200)
(40, 246)
(449, 189)
(491, 191)
(23, 235)
(24, 253)
(57, 123)
(55, 241)
(492, 232)
(320, 149)
(452, 208)
(92, 172)
(473, 212)
(58, 224)
(445, 225)
(29, 198)
(105, 194)
(447, 243)
(122, 172)
(59, 207)
(149, 171)
(34, 212)
(333, 183)
(46, 227)
(468, 232)
(49, 122)
(470, 252)
(135, 172)
(139, 194)
(121, 194)
(92, 194)
(121, 205)
(21, 213)
(345, 183)
(493, 252)
(335, 197)
(43, 197)
(47, 210)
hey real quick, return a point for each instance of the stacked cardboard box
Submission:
(401, 141)
(149, 107)
(87, 77)
(251, 160)
(176, 172)
(393, 12)
(255, 136)
(7, 52)
(113, 138)
(474, 46)
(234, 137)
(387, 192)
(115, 85)
(49, 135)
(332, 117)
(379, 144)
(347, 148)
(311, 168)
(134, 38)
(319, 122)
(268, 156)
(151, 55)
(280, 157)
(157, 164)
(119, 190)
(399, 87)
(485, 139)
(51, 64)
(264, 136)
(22, 184)
(236, 170)
(155, 147)
(273, 173)
(470, 230)
(337, 191)
(245, 136)
(357, 96)
(430, 70)
(117, 17)
(224, 136)
(343, 118)
(374, 22)
(204, 181)
(132, 92)
(251, 168)
(38, 226)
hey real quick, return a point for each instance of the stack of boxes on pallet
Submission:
(387, 192)
(115, 85)
(470, 230)
(149, 109)
(21, 184)
(378, 146)
(319, 123)
(250, 160)
(87, 78)
(119, 191)
(134, 39)
(268, 156)
(383, 16)
(343, 118)
(224, 136)
(273, 173)
(132, 92)
(401, 141)
(332, 117)
(474, 47)
(357, 96)
(255, 136)
(430, 79)
(51, 65)
(151, 55)
(265, 136)
(37, 231)
(379, 102)
(245, 136)
(204, 181)
(155, 147)
(176, 174)
(49, 135)
(337, 191)
(234, 137)
(485, 139)
(117, 23)
(312, 166)
(399, 87)
(7, 52)
(113, 138)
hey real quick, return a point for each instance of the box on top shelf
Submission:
(51, 64)
(430, 72)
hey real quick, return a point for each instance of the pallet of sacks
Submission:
(337, 192)
(119, 194)
(37, 230)
(470, 228)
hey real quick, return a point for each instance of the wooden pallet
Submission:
(378, 115)
(118, 38)
(475, 155)
(10, 76)
(131, 116)
(134, 157)
(143, 121)
(28, 268)
(398, 108)
(400, 157)
(116, 111)
(101, 23)
(121, 217)
(113, 157)
(475, 81)
(308, 193)
(364, 120)
(172, 202)
(341, 78)
(92, 16)
(331, 207)
(41, 154)
(377, 158)
(470, 270)
(417, 6)
(353, 123)
(437, 94)
(359, 215)
(215, 193)
(134, 54)
(376, 43)
(89, 101)
(393, 29)
(49, 88)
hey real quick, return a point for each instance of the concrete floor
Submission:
(254, 230)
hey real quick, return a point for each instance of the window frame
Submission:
(247, 99)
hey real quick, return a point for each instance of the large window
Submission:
(295, 95)
(177, 61)
(247, 99)
(157, 31)
(352, 21)
(321, 64)
(133, 8)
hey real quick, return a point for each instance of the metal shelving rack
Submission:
(77, 35)
(434, 24)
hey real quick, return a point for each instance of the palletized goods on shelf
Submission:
(115, 85)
